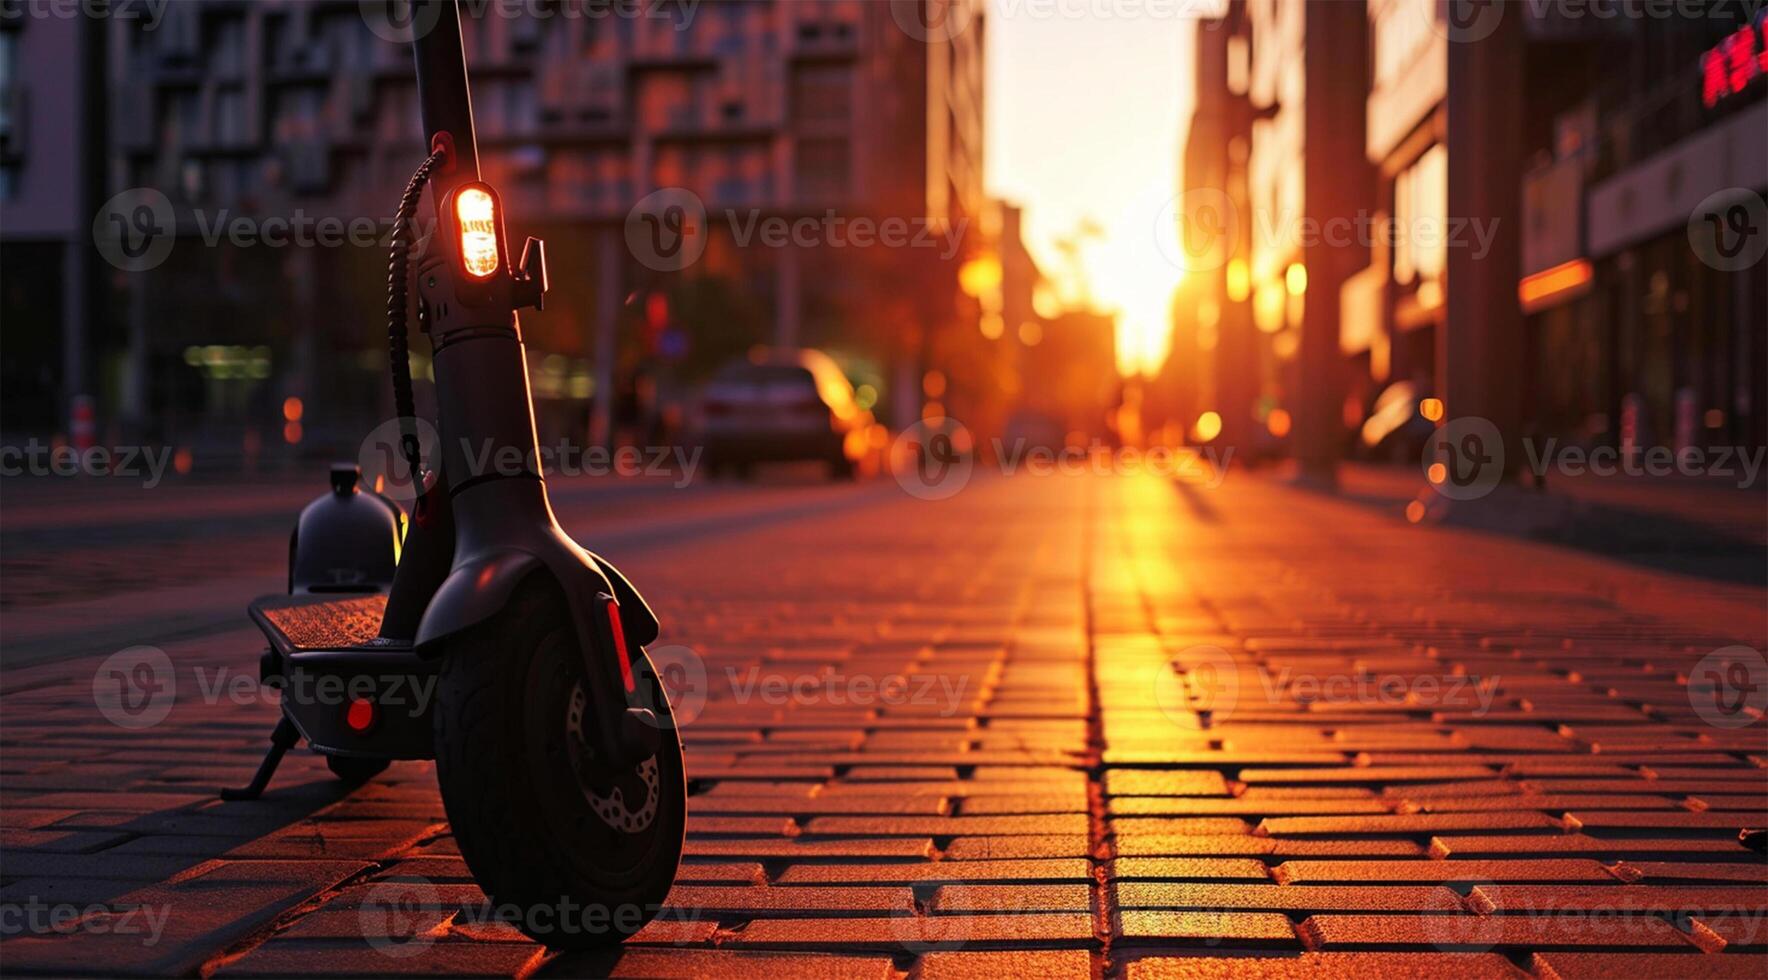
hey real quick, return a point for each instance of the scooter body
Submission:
(569, 748)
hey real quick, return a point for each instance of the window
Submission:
(822, 93)
(822, 169)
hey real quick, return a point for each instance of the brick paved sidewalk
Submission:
(1049, 727)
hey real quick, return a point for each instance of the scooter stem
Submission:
(489, 468)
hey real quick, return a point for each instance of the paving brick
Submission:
(1478, 933)
(1258, 807)
(801, 850)
(1752, 872)
(987, 805)
(727, 873)
(1430, 823)
(936, 872)
(725, 902)
(1188, 869)
(1690, 965)
(1551, 871)
(1053, 964)
(1630, 899)
(1228, 845)
(210, 909)
(1719, 824)
(1040, 824)
(1141, 782)
(735, 964)
(1327, 966)
(1177, 826)
(1374, 775)
(1278, 898)
(919, 932)
(279, 958)
(1047, 846)
(1253, 930)
(1581, 845)
(948, 899)
(1739, 930)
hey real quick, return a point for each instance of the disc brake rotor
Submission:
(625, 801)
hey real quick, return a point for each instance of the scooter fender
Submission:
(479, 588)
(474, 591)
(482, 584)
(636, 618)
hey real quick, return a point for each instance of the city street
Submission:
(1094, 725)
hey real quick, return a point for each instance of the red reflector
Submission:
(620, 646)
(360, 715)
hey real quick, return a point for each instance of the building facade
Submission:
(292, 113)
(1538, 185)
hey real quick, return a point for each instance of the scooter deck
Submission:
(317, 628)
(320, 640)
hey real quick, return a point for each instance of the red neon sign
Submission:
(1731, 65)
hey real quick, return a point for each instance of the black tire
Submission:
(353, 770)
(517, 783)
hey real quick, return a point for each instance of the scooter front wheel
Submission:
(571, 851)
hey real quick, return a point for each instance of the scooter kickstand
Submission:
(282, 738)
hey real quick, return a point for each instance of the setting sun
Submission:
(1104, 152)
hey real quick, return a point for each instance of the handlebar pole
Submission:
(442, 93)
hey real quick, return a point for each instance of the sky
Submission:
(1085, 104)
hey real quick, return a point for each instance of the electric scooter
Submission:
(559, 765)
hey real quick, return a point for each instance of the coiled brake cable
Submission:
(398, 340)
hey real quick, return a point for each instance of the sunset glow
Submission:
(1085, 125)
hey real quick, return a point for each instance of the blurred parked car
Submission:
(782, 405)
(1396, 431)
